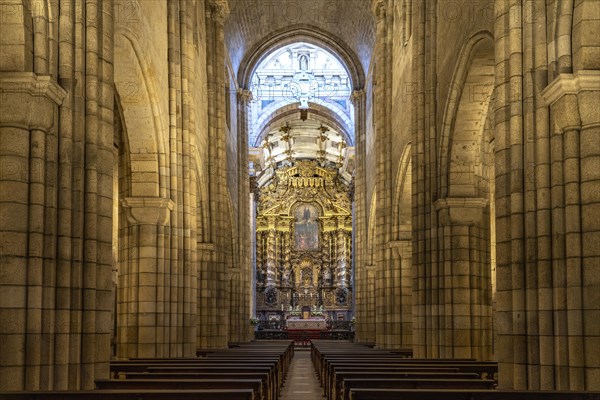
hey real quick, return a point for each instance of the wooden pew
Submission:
(180, 384)
(377, 383)
(220, 394)
(382, 368)
(264, 378)
(269, 362)
(272, 382)
(340, 376)
(333, 385)
(460, 367)
(458, 394)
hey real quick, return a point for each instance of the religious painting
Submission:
(307, 228)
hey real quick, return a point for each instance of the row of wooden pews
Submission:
(351, 371)
(247, 371)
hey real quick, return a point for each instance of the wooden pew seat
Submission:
(463, 394)
(179, 384)
(377, 383)
(219, 394)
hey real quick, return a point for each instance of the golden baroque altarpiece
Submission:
(304, 242)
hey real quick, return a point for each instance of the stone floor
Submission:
(301, 382)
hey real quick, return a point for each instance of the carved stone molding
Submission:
(564, 84)
(461, 210)
(148, 210)
(573, 99)
(28, 100)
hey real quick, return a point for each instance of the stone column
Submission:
(144, 303)
(208, 334)
(400, 302)
(244, 97)
(383, 94)
(28, 111)
(360, 218)
(571, 329)
(216, 13)
(459, 313)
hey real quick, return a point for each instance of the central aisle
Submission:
(301, 382)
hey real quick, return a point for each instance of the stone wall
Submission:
(147, 79)
(499, 102)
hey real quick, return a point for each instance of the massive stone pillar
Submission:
(548, 323)
(547, 152)
(145, 298)
(56, 163)
(383, 11)
(360, 217)
(460, 309)
(244, 97)
(214, 272)
(28, 138)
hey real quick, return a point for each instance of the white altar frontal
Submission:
(306, 324)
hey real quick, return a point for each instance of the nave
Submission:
(216, 176)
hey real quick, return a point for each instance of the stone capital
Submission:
(219, 10)
(357, 96)
(571, 99)
(28, 100)
(244, 96)
(461, 210)
(148, 210)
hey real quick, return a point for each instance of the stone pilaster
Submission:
(460, 284)
(144, 301)
(400, 296)
(244, 97)
(216, 13)
(382, 106)
(569, 329)
(360, 219)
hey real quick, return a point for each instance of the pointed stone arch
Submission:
(143, 117)
(465, 116)
(402, 197)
